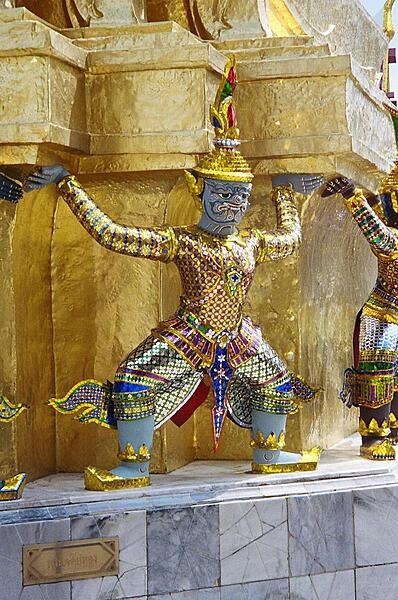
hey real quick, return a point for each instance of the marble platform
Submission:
(214, 531)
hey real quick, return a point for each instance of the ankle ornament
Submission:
(130, 455)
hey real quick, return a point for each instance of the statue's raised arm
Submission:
(155, 243)
(369, 214)
(286, 238)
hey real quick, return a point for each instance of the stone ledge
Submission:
(201, 482)
(210, 531)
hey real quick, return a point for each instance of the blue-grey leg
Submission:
(268, 431)
(135, 443)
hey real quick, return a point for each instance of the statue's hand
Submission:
(10, 190)
(44, 176)
(339, 185)
(301, 183)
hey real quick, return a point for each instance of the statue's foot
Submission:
(11, 489)
(288, 462)
(100, 480)
(377, 449)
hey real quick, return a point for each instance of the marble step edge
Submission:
(192, 493)
(172, 501)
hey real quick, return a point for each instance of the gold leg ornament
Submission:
(375, 443)
(12, 488)
(268, 456)
(100, 480)
(308, 461)
(133, 463)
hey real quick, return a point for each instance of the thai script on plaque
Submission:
(67, 561)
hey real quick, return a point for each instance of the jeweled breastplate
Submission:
(216, 275)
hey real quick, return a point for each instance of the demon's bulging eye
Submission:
(225, 195)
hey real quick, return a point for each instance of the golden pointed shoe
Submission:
(12, 488)
(100, 480)
(308, 462)
(378, 450)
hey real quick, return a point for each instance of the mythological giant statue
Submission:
(208, 334)
(372, 383)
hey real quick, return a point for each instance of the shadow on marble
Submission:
(324, 586)
(253, 541)
(183, 549)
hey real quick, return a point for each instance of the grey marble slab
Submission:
(376, 526)
(130, 528)
(376, 583)
(183, 549)
(209, 594)
(12, 540)
(261, 590)
(324, 586)
(321, 533)
(253, 541)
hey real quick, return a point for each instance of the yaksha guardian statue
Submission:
(208, 334)
(371, 383)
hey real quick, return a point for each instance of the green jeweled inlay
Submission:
(375, 366)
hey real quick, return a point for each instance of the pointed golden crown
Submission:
(224, 161)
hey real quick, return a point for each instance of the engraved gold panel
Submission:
(69, 561)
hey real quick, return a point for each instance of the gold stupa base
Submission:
(13, 487)
(380, 450)
(308, 462)
(100, 480)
